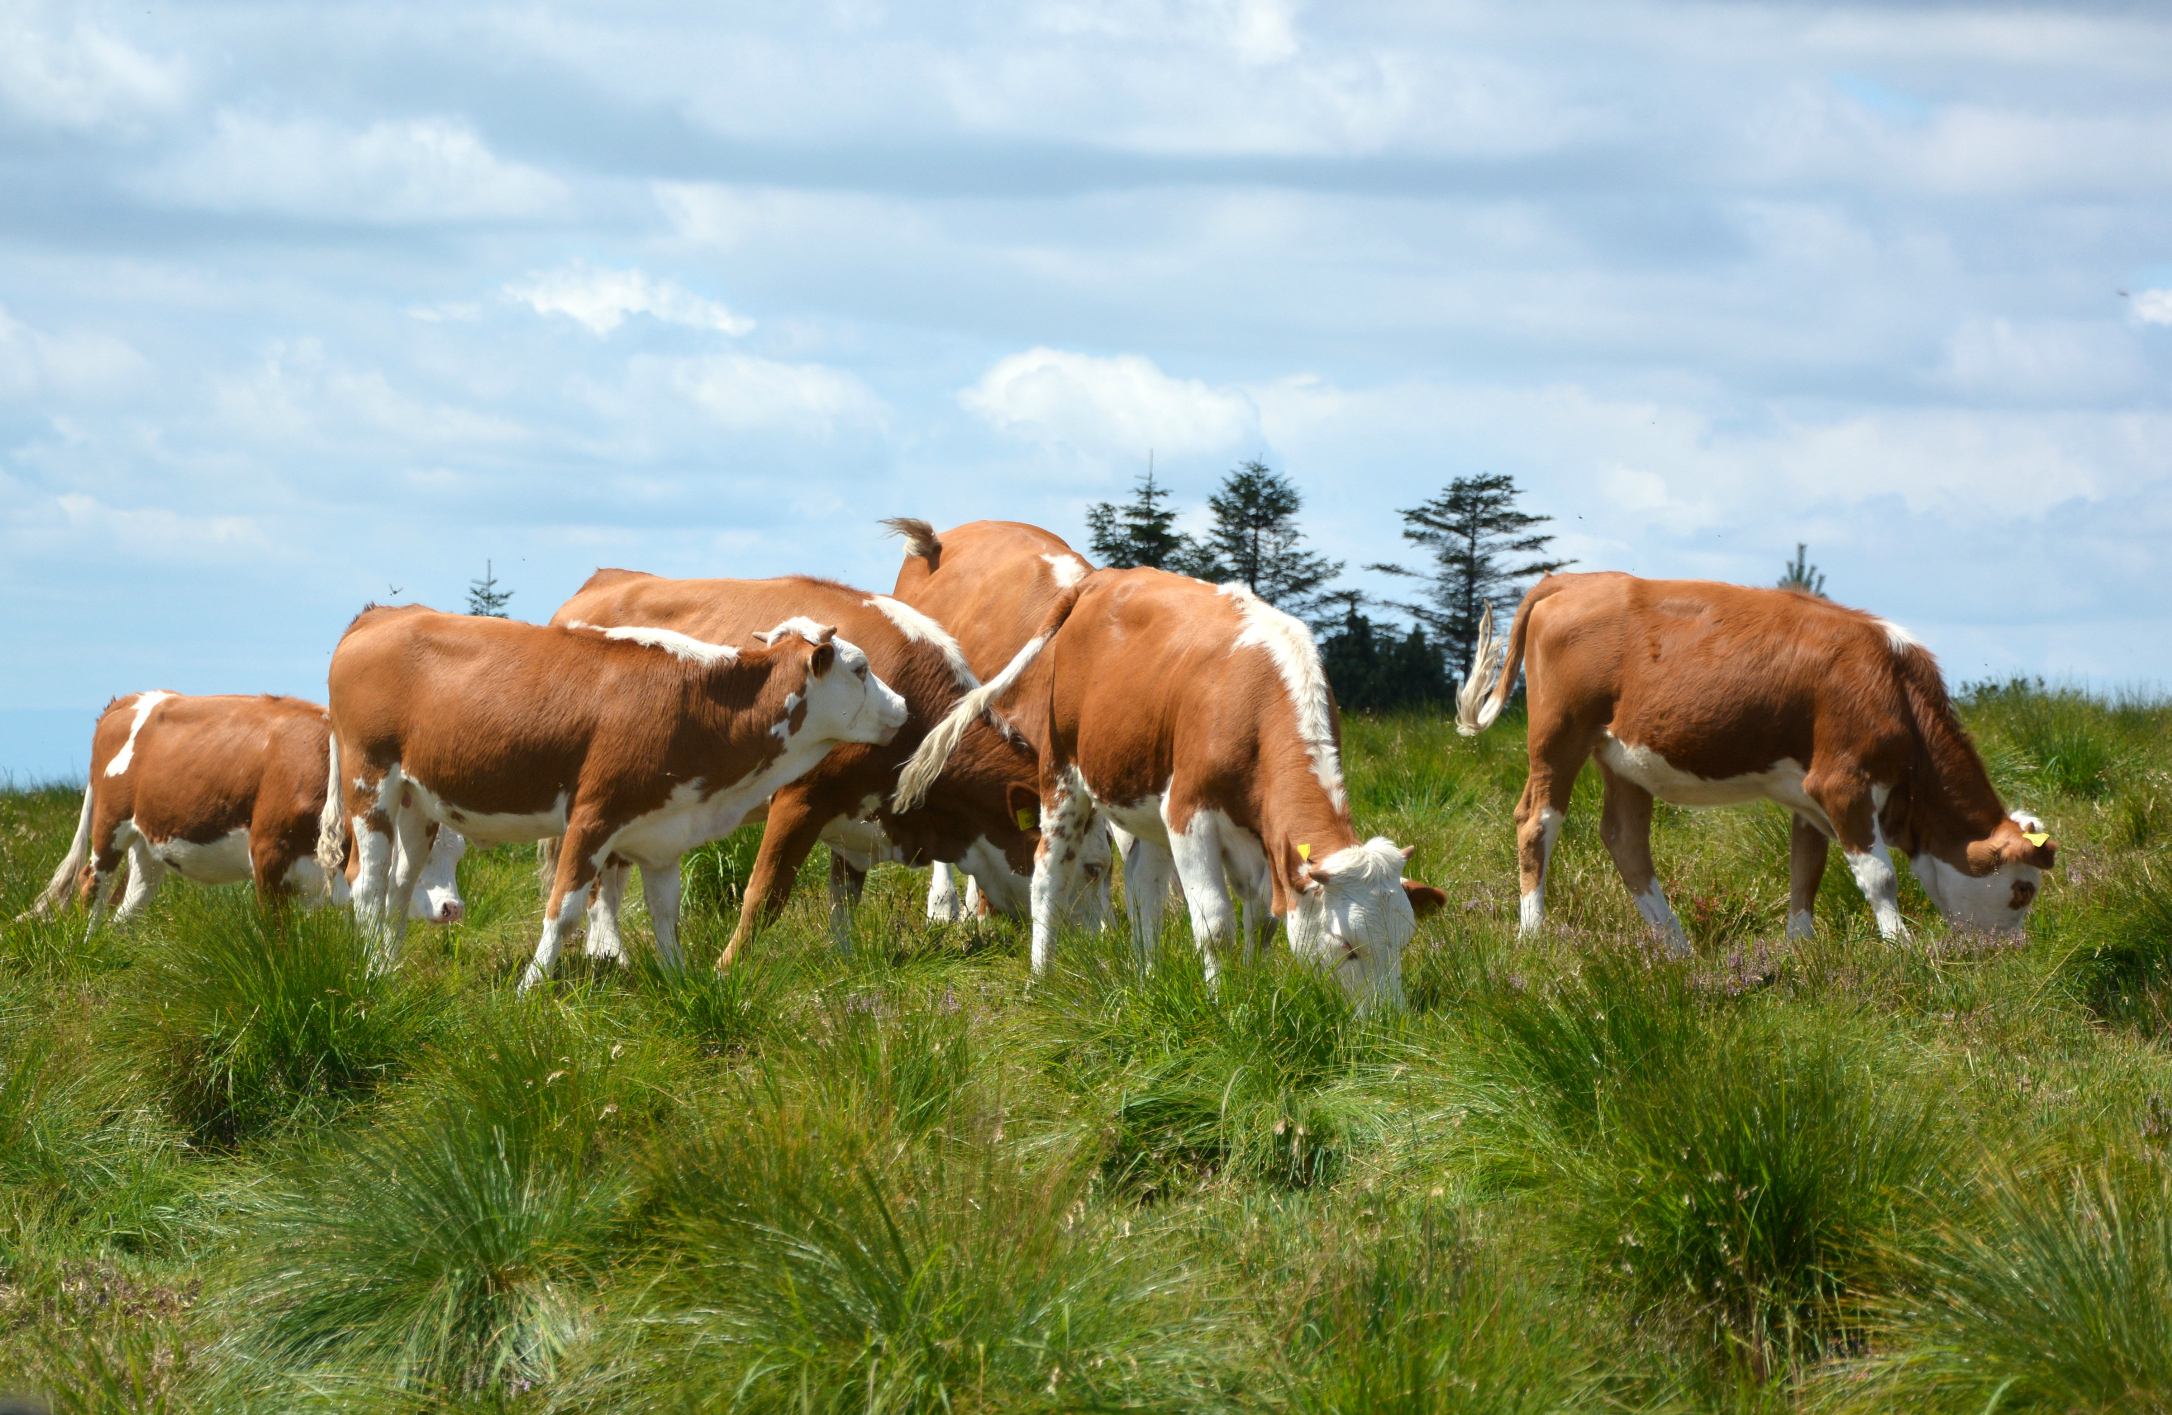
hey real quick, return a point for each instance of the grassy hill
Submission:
(239, 1174)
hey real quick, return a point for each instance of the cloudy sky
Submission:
(306, 304)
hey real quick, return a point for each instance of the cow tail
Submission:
(920, 538)
(933, 754)
(57, 890)
(332, 820)
(1494, 665)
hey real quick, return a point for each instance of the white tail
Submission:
(56, 892)
(332, 821)
(1474, 714)
(933, 754)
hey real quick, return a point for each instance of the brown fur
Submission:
(971, 800)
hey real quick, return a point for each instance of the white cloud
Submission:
(1119, 404)
(602, 299)
(2153, 306)
(300, 395)
(748, 394)
(417, 170)
(84, 79)
(36, 364)
(2045, 360)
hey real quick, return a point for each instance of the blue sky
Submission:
(300, 303)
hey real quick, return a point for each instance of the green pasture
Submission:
(237, 1173)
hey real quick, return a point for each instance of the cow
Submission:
(1706, 694)
(217, 790)
(1200, 721)
(637, 742)
(968, 817)
(992, 583)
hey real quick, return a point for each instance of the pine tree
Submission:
(1137, 532)
(484, 596)
(1801, 575)
(1481, 546)
(1370, 670)
(1255, 539)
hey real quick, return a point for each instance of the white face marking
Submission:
(144, 703)
(1297, 659)
(1065, 570)
(221, 861)
(436, 899)
(1359, 923)
(1899, 639)
(1986, 902)
(1782, 782)
(919, 629)
(671, 641)
(849, 703)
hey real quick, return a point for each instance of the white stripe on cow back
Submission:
(919, 629)
(671, 641)
(144, 703)
(1898, 638)
(1067, 570)
(1289, 643)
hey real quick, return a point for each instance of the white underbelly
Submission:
(221, 861)
(488, 828)
(1141, 818)
(1781, 782)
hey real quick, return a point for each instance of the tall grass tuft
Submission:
(247, 1017)
(2060, 1300)
(1427, 1321)
(823, 1267)
(2119, 954)
(1243, 1077)
(455, 1246)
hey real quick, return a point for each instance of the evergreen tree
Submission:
(1255, 539)
(1137, 532)
(1375, 672)
(1801, 575)
(1483, 550)
(485, 598)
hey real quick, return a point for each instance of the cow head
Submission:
(842, 700)
(1352, 913)
(1998, 878)
(436, 899)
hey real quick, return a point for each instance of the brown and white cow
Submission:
(218, 790)
(1705, 694)
(635, 742)
(967, 817)
(1199, 720)
(992, 584)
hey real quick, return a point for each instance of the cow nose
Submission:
(449, 914)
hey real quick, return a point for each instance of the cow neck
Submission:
(737, 706)
(1949, 800)
(1298, 820)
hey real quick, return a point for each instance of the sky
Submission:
(305, 305)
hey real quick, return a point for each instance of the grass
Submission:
(237, 1172)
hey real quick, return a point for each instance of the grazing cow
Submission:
(968, 816)
(218, 790)
(1704, 694)
(992, 584)
(635, 742)
(1200, 721)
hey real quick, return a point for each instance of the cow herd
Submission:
(1013, 714)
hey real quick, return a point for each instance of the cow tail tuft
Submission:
(1473, 713)
(920, 538)
(57, 890)
(332, 820)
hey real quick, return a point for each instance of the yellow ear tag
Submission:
(1025, 819)
(2036, 839)
(1304, 852)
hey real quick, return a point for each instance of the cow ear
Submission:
(1297, 864)
(1425, 900)
(1409, 850)
(825, 633)
(818, 662)
(1025, 804)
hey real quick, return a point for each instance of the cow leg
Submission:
(373, 867)
(1852, 807)
(976, 903)
(577, 867)
(1806, 852)
(795, 823)
(146, 873)
(1067, 815)
(1539, 814)
(1626, 827)
(848, 881)
(944, 906)
(1147, 868)
(410, 853)
(660, 889)
(1197, 852)
(605, 902)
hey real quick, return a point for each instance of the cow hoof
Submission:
(529, 977)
